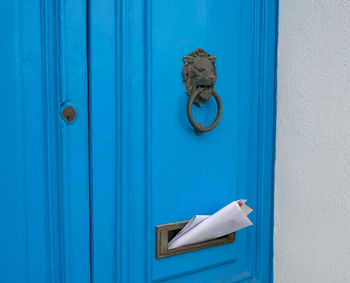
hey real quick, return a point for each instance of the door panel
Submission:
(196, 174)
(148, 167)
(44, 167)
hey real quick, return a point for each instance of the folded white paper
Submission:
(200, 228)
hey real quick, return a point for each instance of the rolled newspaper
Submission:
(201, 228)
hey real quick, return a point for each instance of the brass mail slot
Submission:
(165, 233)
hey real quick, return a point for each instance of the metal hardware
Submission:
(68, 113)
(199, 128)
(199, 74)
(164, 233)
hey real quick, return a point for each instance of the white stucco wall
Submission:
(312, 188)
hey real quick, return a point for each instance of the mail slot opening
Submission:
(165, 233)
(173, 233)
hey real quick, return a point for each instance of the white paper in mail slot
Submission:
(200, 228)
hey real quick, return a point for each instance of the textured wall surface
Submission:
(312, 189)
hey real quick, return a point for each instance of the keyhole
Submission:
(69, 113)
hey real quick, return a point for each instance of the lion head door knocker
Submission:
(199, 75)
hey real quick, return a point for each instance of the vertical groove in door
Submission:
(89, 136)
(148, 139)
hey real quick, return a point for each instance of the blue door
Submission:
(44, 158)
(97, 147)
(148, 166)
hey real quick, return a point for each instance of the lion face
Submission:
(199, 73)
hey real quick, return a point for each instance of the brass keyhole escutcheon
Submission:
(69, 113)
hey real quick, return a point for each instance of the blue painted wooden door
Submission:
(79, 201)
(148, 167)
(44, 162)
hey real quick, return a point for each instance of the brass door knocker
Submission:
(199, 75)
